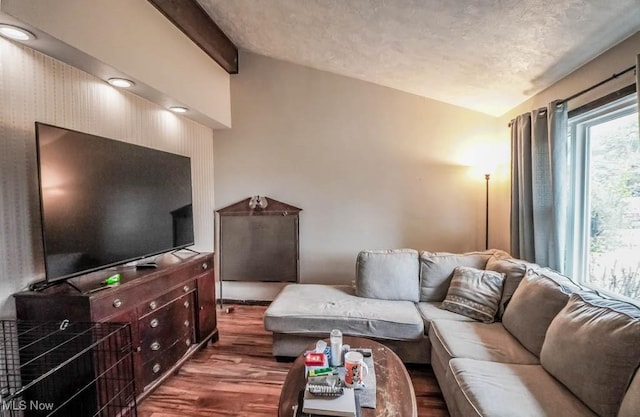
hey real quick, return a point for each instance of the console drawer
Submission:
(121, 298)
(201, 267)
(153, 369)
(161, 300)
(116, 301)
(163, 327)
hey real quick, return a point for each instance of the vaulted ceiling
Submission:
(485, 55)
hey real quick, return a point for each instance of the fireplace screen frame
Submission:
(259, 244)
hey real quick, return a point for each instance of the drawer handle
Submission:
(204, 265)
(186, 304)
(117, 303)
(188, 342)
(153, 305)
(155, 346)
(185, 288)
(154, 323)
(156, 368)
(186, 323)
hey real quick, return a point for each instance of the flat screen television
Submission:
(106, 202)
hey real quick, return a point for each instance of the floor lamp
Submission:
(487, 177)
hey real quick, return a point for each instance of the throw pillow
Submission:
(474, 293)
(436, 270)
(591, 347)
(388, 274)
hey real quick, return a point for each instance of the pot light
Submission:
(16, 33)
(178, 109)
(121, 82)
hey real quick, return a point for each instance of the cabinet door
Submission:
(206, 284)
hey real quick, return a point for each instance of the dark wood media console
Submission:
(171, 310)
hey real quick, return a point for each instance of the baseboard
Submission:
(244, 302)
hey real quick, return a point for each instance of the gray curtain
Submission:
(540, 186)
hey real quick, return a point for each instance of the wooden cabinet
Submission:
(206, 307)
(171, 310)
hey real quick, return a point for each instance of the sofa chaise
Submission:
(505, 338)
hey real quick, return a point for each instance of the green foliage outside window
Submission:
(614, 258)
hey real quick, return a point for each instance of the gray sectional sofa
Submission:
(554, 349)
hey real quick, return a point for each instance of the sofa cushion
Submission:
(436, 270)
(514, 270)
(388, 274)
(474, 293)
(630, 406)
(484, 389)
(593, 347)
(431, 311)
(489, 342)
(534, 304)
(317, 309)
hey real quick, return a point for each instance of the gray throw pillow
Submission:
(533, 305)
(592, 347)
(436, 270)
(474, 293)
(388, 274)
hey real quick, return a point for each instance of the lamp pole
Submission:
(486, 219)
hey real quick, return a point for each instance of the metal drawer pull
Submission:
(156, 368)
(204, 265)
(185, 288)
(117, 303)
(155, 346)
(186, 304)
(186, 323)
(188, 342)
(154, 323)
(153, 305)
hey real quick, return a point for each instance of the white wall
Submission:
(133, 38)
(34, 87)
(616, 59)
(370, 166)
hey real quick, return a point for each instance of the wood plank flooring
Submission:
(237, 376)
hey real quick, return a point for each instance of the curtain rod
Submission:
(593, 87)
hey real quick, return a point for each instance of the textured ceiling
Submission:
(486, 55)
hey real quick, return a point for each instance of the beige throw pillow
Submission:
(474, 293)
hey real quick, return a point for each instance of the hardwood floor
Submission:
(237, 376)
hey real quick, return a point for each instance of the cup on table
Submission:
(355, 369)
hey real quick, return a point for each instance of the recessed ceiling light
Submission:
(121, 82)
(16, 33)
(178, 109)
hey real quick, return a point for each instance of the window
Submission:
(605, 212)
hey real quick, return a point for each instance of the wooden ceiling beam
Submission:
(193, 21)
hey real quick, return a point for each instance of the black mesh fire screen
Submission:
(66, 369)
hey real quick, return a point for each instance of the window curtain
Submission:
(638, 85)
(540, 186)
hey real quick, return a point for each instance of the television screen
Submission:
(105, 202)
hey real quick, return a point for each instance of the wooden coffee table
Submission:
(394, 392)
